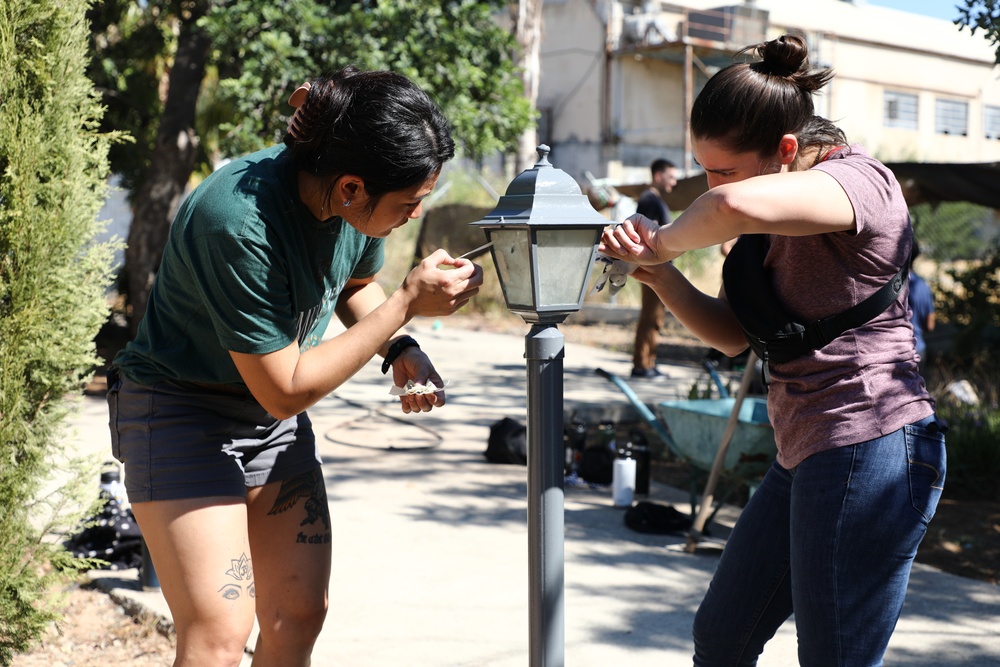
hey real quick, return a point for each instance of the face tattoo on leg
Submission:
(242, 572)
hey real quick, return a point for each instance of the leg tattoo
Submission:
(309, 486)
(242, 572)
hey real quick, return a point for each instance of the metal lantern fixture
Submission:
(544, 233)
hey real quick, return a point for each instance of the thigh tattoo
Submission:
(242, 573)
(309, 486)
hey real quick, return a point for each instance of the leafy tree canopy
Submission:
(263, 49)
(981, 15)
(129, 46)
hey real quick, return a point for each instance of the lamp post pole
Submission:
(544, 351)
(544, 235)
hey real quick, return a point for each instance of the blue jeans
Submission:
(832, 541)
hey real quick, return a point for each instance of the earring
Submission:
(347, 202)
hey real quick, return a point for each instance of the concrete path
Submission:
(431, 547)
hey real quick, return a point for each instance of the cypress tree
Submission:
(54, 273)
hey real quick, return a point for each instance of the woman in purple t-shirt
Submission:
(831, 533)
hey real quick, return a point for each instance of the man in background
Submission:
(651, 314)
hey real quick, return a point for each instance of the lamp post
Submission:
(544, 234)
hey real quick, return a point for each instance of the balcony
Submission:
(663, 34)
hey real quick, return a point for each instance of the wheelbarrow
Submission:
(727, 441)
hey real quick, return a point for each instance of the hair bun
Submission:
(785, 56)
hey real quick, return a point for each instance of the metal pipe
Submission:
(544, 351)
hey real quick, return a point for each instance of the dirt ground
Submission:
(963, 539)
(96, 632)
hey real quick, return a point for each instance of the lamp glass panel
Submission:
(512, 255)
(564, 261)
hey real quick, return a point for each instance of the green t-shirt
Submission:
(247, 268)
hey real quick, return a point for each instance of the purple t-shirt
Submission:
(864, 384)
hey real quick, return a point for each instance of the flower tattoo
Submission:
(241, 570)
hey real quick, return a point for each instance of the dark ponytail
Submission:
(376, 125)
(750, 106)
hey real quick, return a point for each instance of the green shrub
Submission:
(973, 443)
(53, 277)
(973, 438)
(967, 304)
(972, 304)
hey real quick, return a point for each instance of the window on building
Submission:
(991, 122)
(900, 110)
(951, 117)
(544, 129)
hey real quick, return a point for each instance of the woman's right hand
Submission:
(634, 240)
(435, 291)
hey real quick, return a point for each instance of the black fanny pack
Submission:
(775, 336)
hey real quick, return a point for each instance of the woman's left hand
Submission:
(413, 364)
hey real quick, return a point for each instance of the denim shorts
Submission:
(183, 440)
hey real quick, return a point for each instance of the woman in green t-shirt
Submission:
(208, 403)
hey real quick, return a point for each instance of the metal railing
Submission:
(729, 29)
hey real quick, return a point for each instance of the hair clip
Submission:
(298, 122)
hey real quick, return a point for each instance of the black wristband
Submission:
(396, 349)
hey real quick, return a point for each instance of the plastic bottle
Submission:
(111, 485)
(574, 440)
(642, 455)
(623, 479)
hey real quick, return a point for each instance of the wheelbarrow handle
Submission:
(705, 511)
(632, 397)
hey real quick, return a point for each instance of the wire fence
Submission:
(960, 258)
(955, 231)
(958, 246)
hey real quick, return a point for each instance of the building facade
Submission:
(618, 76)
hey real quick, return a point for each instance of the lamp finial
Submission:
(543, 153)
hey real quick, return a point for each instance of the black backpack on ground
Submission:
(112, 536)
(508, 442)
(656, 519)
